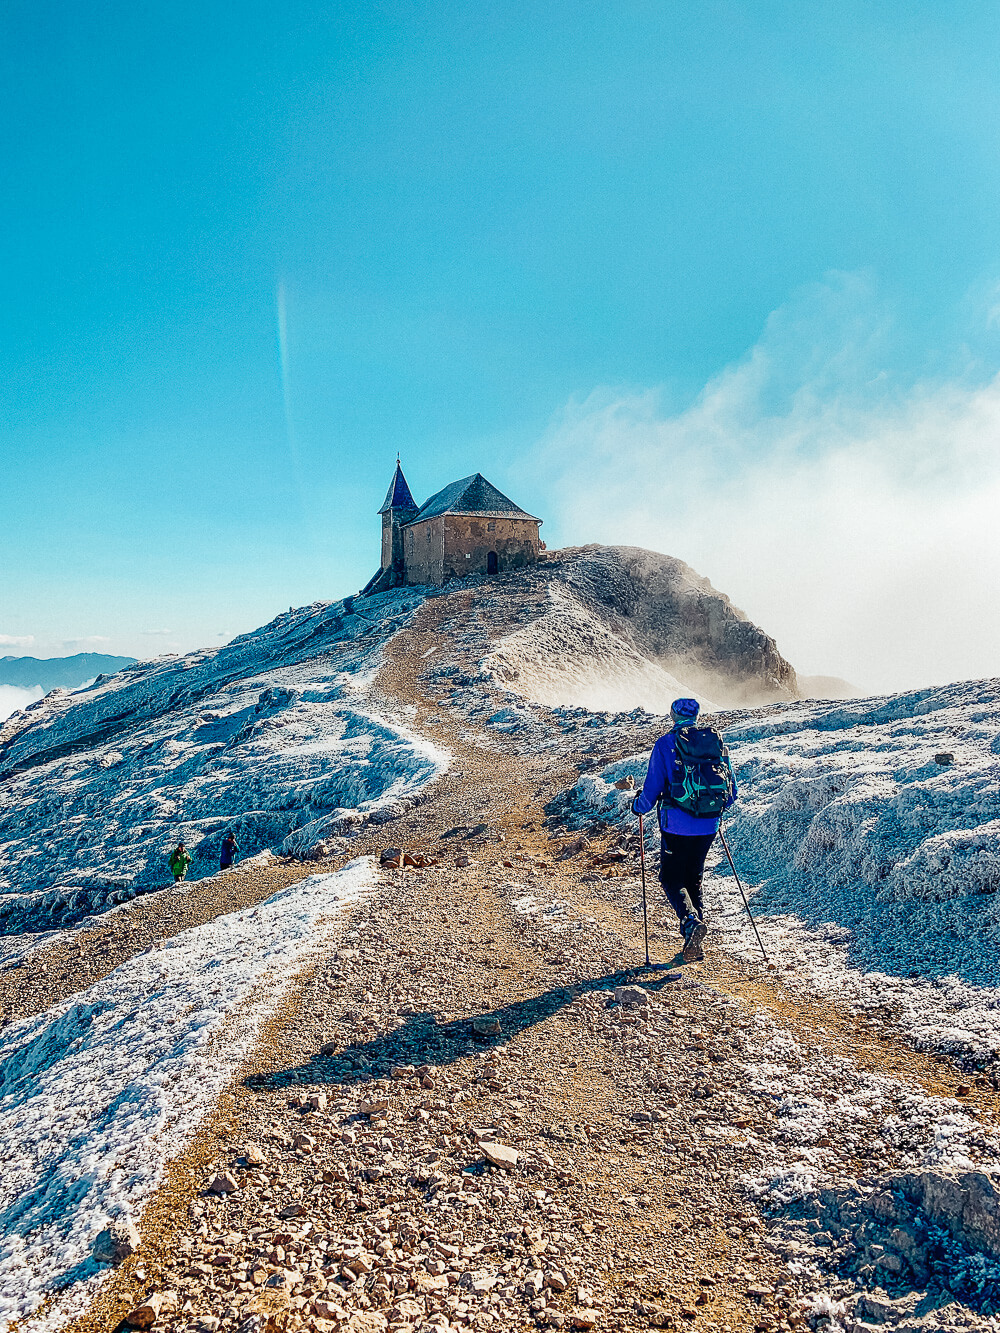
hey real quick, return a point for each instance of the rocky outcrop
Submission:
(919, 1248)
(684, 624)
(622, 627)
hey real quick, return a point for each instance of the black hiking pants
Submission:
(682, 865)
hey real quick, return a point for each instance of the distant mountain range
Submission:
(69, 672)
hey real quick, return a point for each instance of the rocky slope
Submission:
(448, 1106)
(624, 626)
(263, 737)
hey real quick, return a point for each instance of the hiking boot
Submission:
(694, 932)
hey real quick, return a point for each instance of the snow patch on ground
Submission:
(99, 1092)
(874, 870)
(260, 737)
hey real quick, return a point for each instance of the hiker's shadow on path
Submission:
(421, 1039)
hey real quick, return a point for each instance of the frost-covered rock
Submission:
(869, 861)
(259, 737)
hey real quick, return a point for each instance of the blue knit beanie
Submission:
(684, 712)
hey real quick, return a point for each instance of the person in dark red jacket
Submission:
(684, 838)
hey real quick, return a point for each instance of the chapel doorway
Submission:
(492, 564)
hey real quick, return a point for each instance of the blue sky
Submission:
(487, 227)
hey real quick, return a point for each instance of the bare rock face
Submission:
(967, 1203)
(615, 627)
(116, 1242)
(679, 620)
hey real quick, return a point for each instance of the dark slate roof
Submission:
(398, 495)
(471, 495)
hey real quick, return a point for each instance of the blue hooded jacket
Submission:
(661, 767)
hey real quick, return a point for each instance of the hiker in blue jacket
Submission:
(684, 837)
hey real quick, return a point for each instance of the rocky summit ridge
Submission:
(626, 626)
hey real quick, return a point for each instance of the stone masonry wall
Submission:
(392, 538)
(423, 551)
(469, 539)
(456, 545)
(387, 535)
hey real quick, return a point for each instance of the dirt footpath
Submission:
(359, 1145)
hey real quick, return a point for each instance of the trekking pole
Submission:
(642, 872)
(743, 896)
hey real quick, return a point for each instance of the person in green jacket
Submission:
(178, 861)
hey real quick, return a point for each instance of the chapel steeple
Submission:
(399, 508)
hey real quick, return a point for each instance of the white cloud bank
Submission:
(16, 640)
(855, 519)
(13, 698)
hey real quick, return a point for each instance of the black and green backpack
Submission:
(702, 782)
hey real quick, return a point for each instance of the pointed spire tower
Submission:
(398, 509)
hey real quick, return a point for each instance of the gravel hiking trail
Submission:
(479, 1110)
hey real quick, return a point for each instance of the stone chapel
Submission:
(469, 527)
